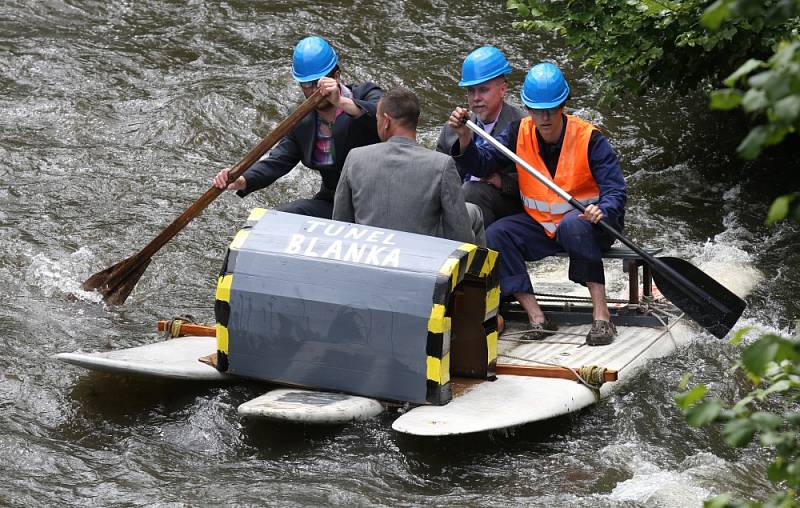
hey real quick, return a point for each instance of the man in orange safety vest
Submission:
(577, 158)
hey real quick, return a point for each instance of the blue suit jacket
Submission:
(298, 145)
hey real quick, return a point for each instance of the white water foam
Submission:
(730, 266)
(726, 257)
(54, 277)
(654, 485)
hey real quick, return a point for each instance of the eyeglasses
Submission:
(544, 113)
(309, 84)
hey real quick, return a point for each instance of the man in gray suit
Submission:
(483, 74)
(401, 185)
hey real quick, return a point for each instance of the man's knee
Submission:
(309, 207)
(581, 240)
(476, 192)
(498, 234)
(476, 222)
(573, 229)
(482, 195)
(494, 236)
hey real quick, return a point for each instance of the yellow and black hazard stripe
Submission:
(222, 303)
(438, 346)
(222, 313)
(256, 214)
(438, 355)
(477, 261)
(485, 266)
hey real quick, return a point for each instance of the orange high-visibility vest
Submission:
(572, 173)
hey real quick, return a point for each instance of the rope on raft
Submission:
(173, 328)
(592, 376)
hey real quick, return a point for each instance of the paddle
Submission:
(702, 298)
(116, 282)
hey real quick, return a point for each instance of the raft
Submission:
(353, 319)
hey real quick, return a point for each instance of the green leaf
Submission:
(687, 399)
(743, 70)
(703, 413)
(739, 432)
(758, 355)
(761, 79)
(754, 380)
(725, 99)
(776, 471)
(785, 53)
(766, 421)
(793, 472)
(721, 501)
(742, 404)
(684, 382)
(780, 386)
(740, 334)
(772, 438)
(775, 134)
(787, 109)
(754, 100)
(751, 145)
(793, 417)
(779, 209)
(716, 14)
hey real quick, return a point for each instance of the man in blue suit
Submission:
(321, 140)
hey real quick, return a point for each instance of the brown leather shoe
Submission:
(601, 334)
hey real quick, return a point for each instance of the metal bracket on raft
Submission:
(582, 315)
(578, 311)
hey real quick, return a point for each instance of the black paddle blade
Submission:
(706, 301)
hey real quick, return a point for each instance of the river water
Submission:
(114, 116)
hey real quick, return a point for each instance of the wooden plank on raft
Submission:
(547, 371)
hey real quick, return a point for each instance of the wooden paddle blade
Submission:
(707, 302)
(117, 295)
(116, 282)
(100, 279)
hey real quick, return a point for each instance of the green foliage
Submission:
(782, 208)
(773, 363)
(773, 93)
(639, 44)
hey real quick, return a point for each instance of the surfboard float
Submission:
(352, 320)
(178, 358)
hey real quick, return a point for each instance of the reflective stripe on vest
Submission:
(555, 208)
(572, 173)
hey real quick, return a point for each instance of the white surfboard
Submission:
(310, 407)
(171, 359)
(515, 400)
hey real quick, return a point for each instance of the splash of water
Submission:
(62, 277)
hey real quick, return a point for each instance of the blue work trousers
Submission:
(518, 238)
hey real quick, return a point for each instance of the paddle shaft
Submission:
(211, 194)
(696, 294)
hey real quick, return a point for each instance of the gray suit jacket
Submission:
(508, 174)
(401, 185)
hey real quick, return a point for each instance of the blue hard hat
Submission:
(313, 58)
(482, 65)
(544, 87)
